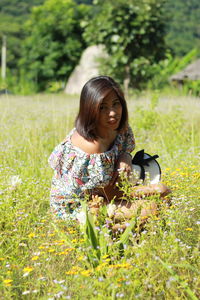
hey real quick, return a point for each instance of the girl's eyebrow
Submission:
(106, 101)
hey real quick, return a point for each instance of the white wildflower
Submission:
(147, 178)
(22, 244)
(59, 294)
(111, 208)
(15, 181)
(135, 174)
(26, 293)
(42, 278)
(81, 217)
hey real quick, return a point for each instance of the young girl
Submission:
(89, 159)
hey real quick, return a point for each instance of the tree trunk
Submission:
(127, 80)
(3, 58)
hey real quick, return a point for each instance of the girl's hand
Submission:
(152, 189)
(124, 164)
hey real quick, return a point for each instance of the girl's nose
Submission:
(112, 112)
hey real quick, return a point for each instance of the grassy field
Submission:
(42, 258)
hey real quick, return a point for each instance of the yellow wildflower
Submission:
(74, 241)
(51, 250)
(101, 266)
(27, 269)
(80, 257)
(107, 259)
(74, 270)
(77, 268)
(51, 234)
(59, 242)
(71, 272)
(81, 240)
(2, 258)
(7, 282)
(41, 247)
(31, 235)
(35, 257)
(189, 229)
(61, 253)
(86, 273)
(123, 265)
(120, 279)
(71, 231)
(69, 249)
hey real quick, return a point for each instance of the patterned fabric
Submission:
(76, 172)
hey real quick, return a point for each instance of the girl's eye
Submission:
(116, 103)
(103, 107)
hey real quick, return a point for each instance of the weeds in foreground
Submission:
(43, 258)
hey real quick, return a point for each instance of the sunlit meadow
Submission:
(42, 258)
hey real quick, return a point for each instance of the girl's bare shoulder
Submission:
(90, 147)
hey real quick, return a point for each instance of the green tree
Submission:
(13, 14)
(133, 34)
(55, 42)
(18, 8)
(183, 25)
(89, 2)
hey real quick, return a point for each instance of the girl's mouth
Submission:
(113, 121)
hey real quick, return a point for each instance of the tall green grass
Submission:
(44, 258)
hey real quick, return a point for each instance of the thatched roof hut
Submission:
(191, 72)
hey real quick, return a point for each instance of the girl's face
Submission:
(110, 113)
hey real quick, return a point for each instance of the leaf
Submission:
(124, 237)
(90, 231)
(103, 241)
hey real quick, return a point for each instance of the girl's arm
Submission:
(124, 162)
(140, 192)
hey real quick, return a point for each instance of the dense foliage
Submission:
(55, 43)
(133, 34)
(18, 8)
(137, 34)
(182, 26)
(84, 2)
(13, 14)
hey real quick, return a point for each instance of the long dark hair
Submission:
(92, 95)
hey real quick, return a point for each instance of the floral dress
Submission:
(77, 172)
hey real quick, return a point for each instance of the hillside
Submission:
(13, 14)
